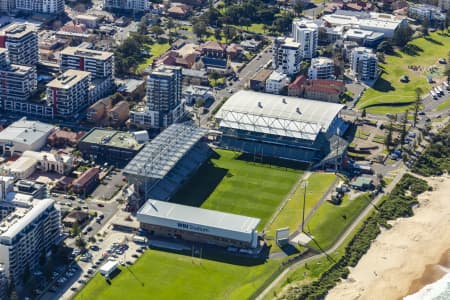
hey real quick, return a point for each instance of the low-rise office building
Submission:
(111, 146)
(258, 81)
(198, 224)
(87, 182)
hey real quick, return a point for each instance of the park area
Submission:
(156, 50)
(165, 275)
(231, 182)
(389, 94)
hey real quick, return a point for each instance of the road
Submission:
(244, 76)
(342, 238)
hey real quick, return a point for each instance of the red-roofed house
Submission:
(213, 49)
(87, 182)
(296, 87)
(324, 90)
(179, 11)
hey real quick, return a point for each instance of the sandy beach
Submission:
(408, 256)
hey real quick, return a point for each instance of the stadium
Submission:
(166, 162)
(266, 125)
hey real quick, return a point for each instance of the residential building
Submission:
(213, 49)
(364, 63)
(99, 63)
(111, 146)
(135, 5)
(444, 4)
(365, 38)
(164, 105)
(21, 40)
(286, 55)
(276, 82)
(7, 6)
(30, 229)
(321, 68)
(296, 87)
(24, 135)
(89, 21)
(432, 14)
(41, 6)
(34, 189)
(86, 182)
(324, 90)
(68, 93)
(194, 92)
(18, 82)
(258, 81)
(119, 113)
(97, 111)
(306, 32)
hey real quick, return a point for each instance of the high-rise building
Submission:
(364, 63)
(306, 32)
(28, 230)
(99, 63)
(69, 93)
(321, 68)
(41, 6)
(17, 82)
(7, 6)
(164, 105)
(21, 40)
(286, 55)
(126, 4)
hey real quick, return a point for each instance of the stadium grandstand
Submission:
(166, 162)
(296, 129)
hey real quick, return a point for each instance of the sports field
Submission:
(231, 184)
(391, 95)
(330, 221)
(163, 275)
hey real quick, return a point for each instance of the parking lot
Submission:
(109, 186)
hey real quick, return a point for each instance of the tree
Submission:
(76, 229)
(417, 104)
(447, 68)
(218, 34)
(214, 75)
(80, 243)
(425, 27)
(298, 7)
(363, 113)
(404, 124)
(199, 28)
(388, 139)
(142, 26)
(381, 58)
(156, 30)
(170, 24)
(402, 35)
(199, 102)
(229, 33)
(385, 47)
(92, 239)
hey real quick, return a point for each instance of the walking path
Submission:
(342, 238)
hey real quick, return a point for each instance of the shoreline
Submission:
(407, 257)
(431, 274)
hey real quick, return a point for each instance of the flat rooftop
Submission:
(18, 30)
(68, 79)
(113, 138)
(197, 216)
(26, 132)
(278, 115)
(161, 154)
(76, 51)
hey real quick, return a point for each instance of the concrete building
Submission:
(86, 182)
(276, 82)
(306, 32)
(364, 64)
(89, 21)
(286, 55)
(194, 92)
(258, 81)
(164, 105)
(113, 147)
(324, 90)
(29, 230)
(7, 6)
(198, 224)
(69, 93)
(18, 82)
(136, 5)
(24, 135)
(444, 4)
(321, 68)
(41, 6)
(119, 113)
(98, 111)
(21, 40)
(365, 38)
(423, 12)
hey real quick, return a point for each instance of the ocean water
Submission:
(439, 290)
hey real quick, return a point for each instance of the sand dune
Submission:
(407, 257)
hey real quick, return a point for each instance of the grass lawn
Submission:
(156, 50)
(230, 184)
(329, 222)
(291, 215)
(164, 275)
(443, 105)
(255, 27)
(389, 95)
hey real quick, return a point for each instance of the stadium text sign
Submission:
(191, 227)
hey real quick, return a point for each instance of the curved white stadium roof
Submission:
(278, 115)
